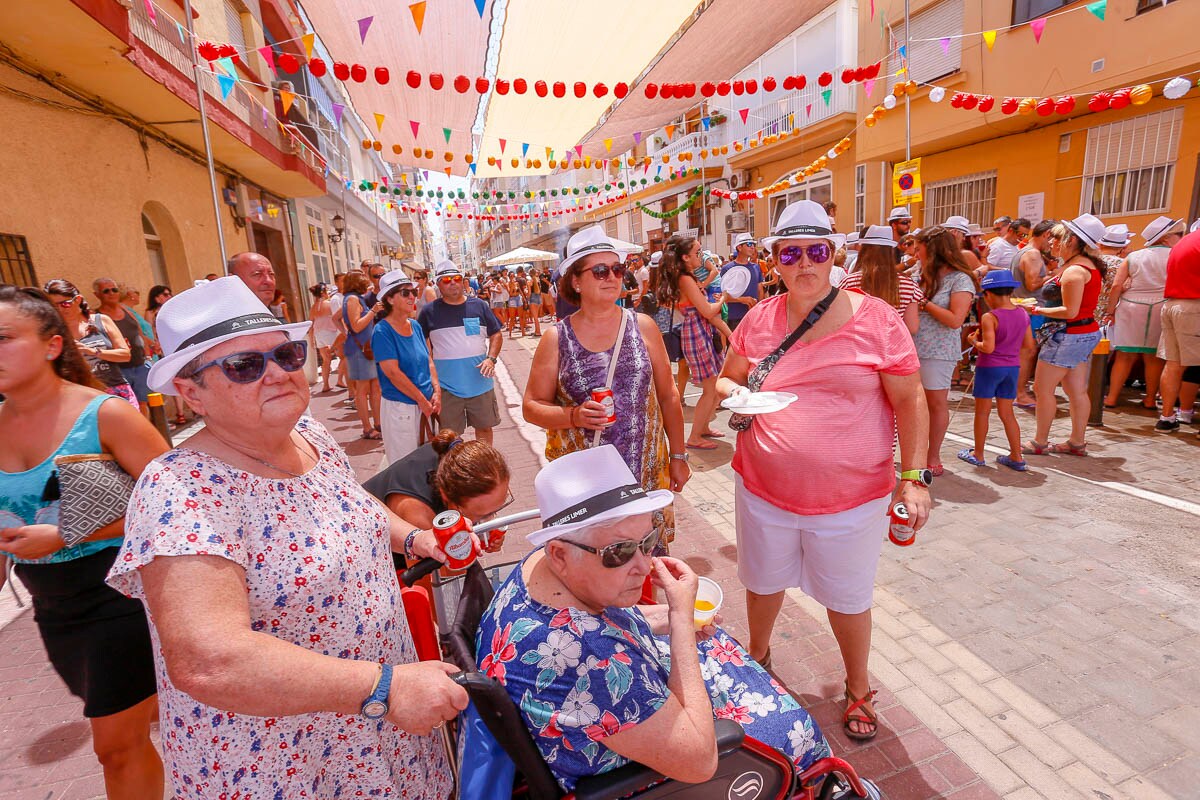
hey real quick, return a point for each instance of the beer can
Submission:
(604, 396)
(901, 531)
(453, 536)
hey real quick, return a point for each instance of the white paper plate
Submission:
(774, 401)
(735, 281)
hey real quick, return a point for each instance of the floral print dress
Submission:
(578, 678)
(318, 565)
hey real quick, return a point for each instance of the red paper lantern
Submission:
(847, 76)
(580, 89)
(825, 79)
(1100, 101)
(461, 84)
(751, 87)
(789, 83)
(768, 84)
(316, 67)
(1120, 99)
(341, 71)
(540, 88)
(436, 81)
(481, 85)
(358, 73)
(969, 101)
(666, 91)
(956, 101)
(519, 86)
(739, 87)
(689, 90)
(1009, 105)
(208, 51)
(708, 89)
(651, 90)
(1045, 106)
(986, 103)
(1065, 104)
(801, 82)
(620, 90)
(501, 86)
(599, 90)
(723, 88)
(873, 70)
(560, 89)
(227, 51)
(382, 76)
(413, 79)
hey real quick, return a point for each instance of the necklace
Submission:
(276, 467)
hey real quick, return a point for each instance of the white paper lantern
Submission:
(937, 94)
(889, 102)
(832, 154)
(1176, 88)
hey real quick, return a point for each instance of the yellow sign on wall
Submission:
(906, 182)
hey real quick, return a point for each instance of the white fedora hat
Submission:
(974, 230)
(852, 238)
(590, 240)
(878, 235)
(393, 280)
(957, 223)
(1195, 227)
(743, 238)
(803, 219)
(588, 487)
(203, 317)
(1116, 235)
(1087, 227)
(656, 258)
(899, 212)
(1159, 228)
(444, 269)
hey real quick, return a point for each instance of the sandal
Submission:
(713, 435)
(1011, 463)
(937, 469)
(701, 446)
(1066, 448)
(866, 716)
(373, 435)
(1032, 448)
(968, 455)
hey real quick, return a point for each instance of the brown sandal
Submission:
(865, 715)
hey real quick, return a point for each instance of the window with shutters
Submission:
(16, 267)
(1025, 10)
(860, 196)
(936, 49)
(233, 22)
(971, 196)
(1149, 5)
(1129, 165)
(610, 227)
(636, 228)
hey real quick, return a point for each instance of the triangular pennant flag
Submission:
(226, 84)
(637, 137)
(671, 130)
(869, 86)
(364, 25)
(989, 38)
(287, 98)
(503, 142)
(579, 150)
(744, 113)
(825, 95)
(425, 172)
(549, 152)
(446, 132)
(903, 51)
(607, 148)
(418, 15)
(1098, 8)
(872, 9)
(179, 30)
(338, 108)
(706, 122)
(268, 55)
(945, 43)
(150, 12)
(524, 149)
(471, 167)
(479, 6)
(264, 116)
(309, 40)
(227, 65)
(379, 121)
(1038, 25)
(447, 171)
(416, 126)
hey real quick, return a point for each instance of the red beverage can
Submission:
(604, 397)
(901, 531)
(454, 537)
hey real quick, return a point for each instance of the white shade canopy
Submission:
(522, 255)
(624, 247)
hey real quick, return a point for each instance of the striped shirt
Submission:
(909, 291)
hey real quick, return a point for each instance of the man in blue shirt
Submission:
(743, 256)
(465, 339)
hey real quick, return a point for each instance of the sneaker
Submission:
(1186, 419)
(1167, 425)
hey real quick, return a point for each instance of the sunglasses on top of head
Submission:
(817, 253)
(602, 271)
(249, 366)
(618, 554)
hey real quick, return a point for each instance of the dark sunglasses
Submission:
(377, 277)
(602, 271)
(618, 554)
(113, 290)
(818, 253)
(249, 366)
(411, 292)
(451, 279)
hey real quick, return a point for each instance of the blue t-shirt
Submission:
(738, 310)
(459, 337)
(410, 352)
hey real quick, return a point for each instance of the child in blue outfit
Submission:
(1003, 333)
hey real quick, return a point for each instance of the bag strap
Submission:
(612, 366)
(765, 366)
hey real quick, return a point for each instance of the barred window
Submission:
(1129, 165)
(971, 196)
(16, 267)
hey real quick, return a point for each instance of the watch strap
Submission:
(379, 694)
(911, 475)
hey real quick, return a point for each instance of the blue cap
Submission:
(999, 279)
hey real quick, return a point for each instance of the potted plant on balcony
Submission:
(717, 118)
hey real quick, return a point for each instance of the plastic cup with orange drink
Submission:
(708, 602)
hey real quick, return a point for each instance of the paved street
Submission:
(1039, 640)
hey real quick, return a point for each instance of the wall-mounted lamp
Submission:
(339, 229)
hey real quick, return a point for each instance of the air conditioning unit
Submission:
(739, 179)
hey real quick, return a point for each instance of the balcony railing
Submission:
(169, 41)
(793, 110)
(695, 142)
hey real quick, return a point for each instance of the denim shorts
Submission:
(358, 366)
(1069, 350)
(137, 376)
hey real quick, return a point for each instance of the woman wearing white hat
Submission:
(1067, 345)
(601, 681)
(815, 479)
(1135, 302)
(281, 644)
(877, 276)
(408, 380)
(1113, 249)
(960, 229)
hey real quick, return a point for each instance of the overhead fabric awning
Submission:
(522, 255)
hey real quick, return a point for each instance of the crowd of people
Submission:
(248, 599)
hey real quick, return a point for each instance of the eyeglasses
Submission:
(249, 366)
(601, 271)
(110, 290)
(618, 554)
(817, 253)
(410, 292)
(451, 279)
(65, 303)
(494, 514)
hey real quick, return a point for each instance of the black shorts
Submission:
(97, 638)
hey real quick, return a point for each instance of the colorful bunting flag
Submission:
(286, 98)
(989, 38)
(1038, 25)
(869, 86)
(670, 131)
(416, 126)
(179, 30)
(227, 65)
(264, 116)
(579, 151)
(872, 9)
(418, 15)
(637, 137)
(338, 109)
(364, 25)
(503, 142)
(607, 148)
(945, 43)
(268, 55)
(379, 121)
(549, 152)
(309, 40)
(826, 95)
(524, 149)
(446, 132)
(1098, 8)
(471, 167)
(150, 12)
(706, 122)
(903, 51)
(479, 6)
(744, 113)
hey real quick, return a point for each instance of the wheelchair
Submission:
(747, 769)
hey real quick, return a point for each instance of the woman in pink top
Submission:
(814, 481)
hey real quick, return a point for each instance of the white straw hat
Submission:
(743, 238)
(852, 238)
(394, 280)
(803, 219)
(880, 235)
(1087, 227)
(957, 223)
(1116, 235)
(588, 487)
(1158, 229)
(445, 269)
(203, 317)
(899, 212)
(590, 240)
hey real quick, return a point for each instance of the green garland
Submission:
(695, 195)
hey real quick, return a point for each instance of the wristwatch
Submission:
(376, 704)
(684, 457)
(491, 359)
(924, 477)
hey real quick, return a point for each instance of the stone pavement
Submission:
(1040, 640)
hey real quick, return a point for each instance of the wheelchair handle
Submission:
(428, 566)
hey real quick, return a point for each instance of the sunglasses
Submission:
(112, 290)
(377, 277)
(618, 554)
(451, 279)
(65, 303)
(602, 271)
(411, 292)
(249, 366)
(817, 253)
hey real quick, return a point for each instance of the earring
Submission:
(49, 357)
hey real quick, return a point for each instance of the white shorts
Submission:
(401, 426)
(325, 337)
(831, 557)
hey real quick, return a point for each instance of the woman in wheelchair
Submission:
(600, 681)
